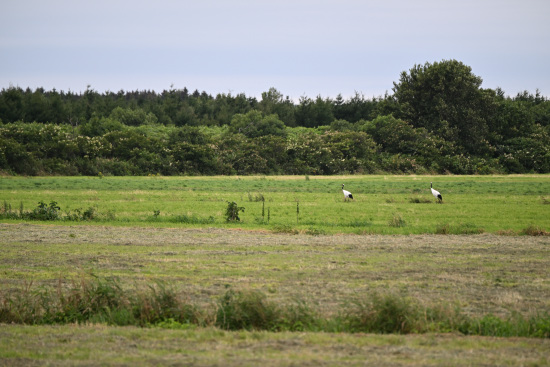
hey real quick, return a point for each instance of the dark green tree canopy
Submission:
(254, 124)
(446, 98)
(439, 120)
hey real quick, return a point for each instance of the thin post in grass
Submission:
(297, 211)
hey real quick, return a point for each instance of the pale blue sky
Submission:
(301, 47)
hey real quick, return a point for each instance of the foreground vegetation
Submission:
(207, 277)
(104, 301)
(78, 345)
(216, 296)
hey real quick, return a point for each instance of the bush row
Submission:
(384, 145)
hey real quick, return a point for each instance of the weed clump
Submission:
(192, 219)
(533, 230)
(397, 221)
(443, 229)
(462, 228)
(284, 228)
(419, 200)
(256, 198)
(315, 232)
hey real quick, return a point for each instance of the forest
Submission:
(438, 120)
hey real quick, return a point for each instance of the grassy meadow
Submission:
(390, 278)
(381, 205)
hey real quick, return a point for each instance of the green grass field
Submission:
(382, 204)
(337, 254)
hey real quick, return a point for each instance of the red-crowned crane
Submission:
(347, 194)
(436, 194)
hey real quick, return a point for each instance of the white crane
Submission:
(347, 194)
(436, 193)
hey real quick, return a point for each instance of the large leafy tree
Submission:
(254, 124)
(446, 98)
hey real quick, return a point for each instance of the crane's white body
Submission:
(436, 193)
(347, 194)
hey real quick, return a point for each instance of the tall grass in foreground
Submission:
(96, 300)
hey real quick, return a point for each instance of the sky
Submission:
(303, 48)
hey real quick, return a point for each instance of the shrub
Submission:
(387, 313)
(45, 212)
(247, 310)
(232, 212)
(161, 304)
(298, 316)
(89, 299)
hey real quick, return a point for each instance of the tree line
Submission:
(437, 120)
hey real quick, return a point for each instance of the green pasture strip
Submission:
(93, 345)
(382, 204)
(522, 184)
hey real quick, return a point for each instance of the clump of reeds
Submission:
(97, 300)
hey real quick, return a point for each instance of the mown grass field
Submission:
(98, 345)
(339, 252)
